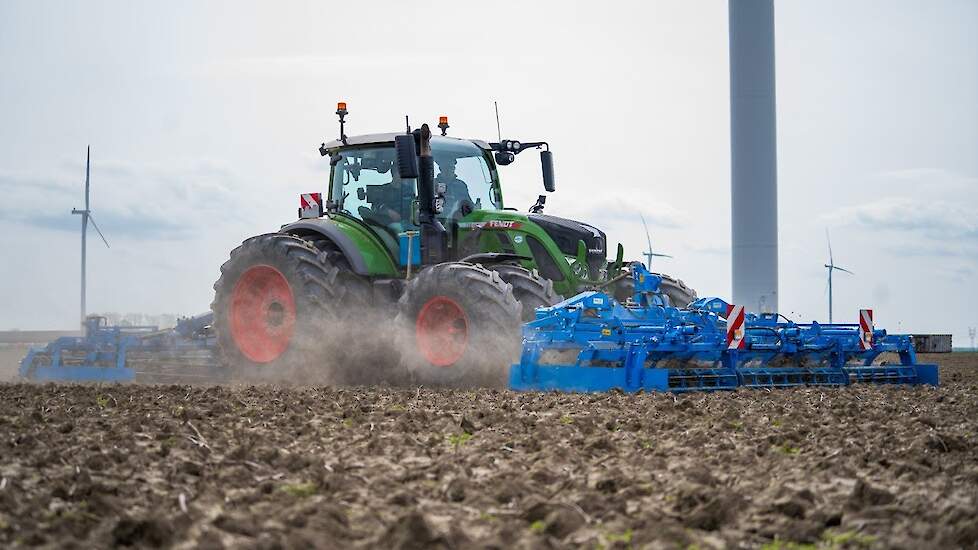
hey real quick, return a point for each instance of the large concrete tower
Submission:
(753, 155)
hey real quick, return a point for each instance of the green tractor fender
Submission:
(364, 251)
(507, 233)
(504, 234)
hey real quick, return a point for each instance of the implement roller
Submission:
(592, 342)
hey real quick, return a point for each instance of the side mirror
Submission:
(547, 163)
(407, 156)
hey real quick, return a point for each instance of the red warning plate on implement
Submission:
(735, 327)
(866, 328)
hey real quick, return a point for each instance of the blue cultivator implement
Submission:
(593, 343)
(124, 354)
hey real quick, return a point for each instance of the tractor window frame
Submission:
(333, 192)
(497, 186)
(339, 195)
(487, 189)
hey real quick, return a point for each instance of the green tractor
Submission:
(411, 269)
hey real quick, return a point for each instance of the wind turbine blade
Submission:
(99, 231)
(648, 238)
(661, 255)
(88, 163)
(828, 240)
(843, 269)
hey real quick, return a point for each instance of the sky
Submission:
(205, 118)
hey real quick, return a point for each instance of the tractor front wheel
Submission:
(529, 288)
(679, 294)
(458, 324)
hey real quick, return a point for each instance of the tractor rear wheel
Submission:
(276, 308)
(529, 288)
(678, 294)
(458, 324)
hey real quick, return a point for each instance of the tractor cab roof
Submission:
(371, 139)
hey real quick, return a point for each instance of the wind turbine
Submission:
(650, 254)
(86, 215)
(832, 267)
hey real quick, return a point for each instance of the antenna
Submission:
(499, 133)
(650, 254)
(407, 124)
(86, 215)
(832, 267)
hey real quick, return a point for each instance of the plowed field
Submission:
(183, 466)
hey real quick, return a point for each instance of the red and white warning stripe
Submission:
(866, 328)
(310, 200)
(310, 205)
(735, 327)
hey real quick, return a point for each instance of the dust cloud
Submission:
(373, 346)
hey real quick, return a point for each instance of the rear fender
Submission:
(365, 252)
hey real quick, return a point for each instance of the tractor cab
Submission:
(366, 183)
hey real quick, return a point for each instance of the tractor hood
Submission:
(566, 233)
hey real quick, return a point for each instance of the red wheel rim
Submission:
(262, 313)
(442, 331)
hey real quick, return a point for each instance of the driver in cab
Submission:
(390, 202)
(458, 201)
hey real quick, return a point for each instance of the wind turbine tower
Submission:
(86, 215)
(753, 156)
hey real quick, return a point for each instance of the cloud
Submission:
(910, 221)
(928, 179)
(709, 249)
(941, 224)
(962, 274)
(658, 214)
(141, 201)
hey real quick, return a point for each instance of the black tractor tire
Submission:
(277, 306)
(458, 324)
(676, 290)
(529, 288)
(623, 290)
(673, 290)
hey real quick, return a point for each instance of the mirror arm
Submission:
(506, 146)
